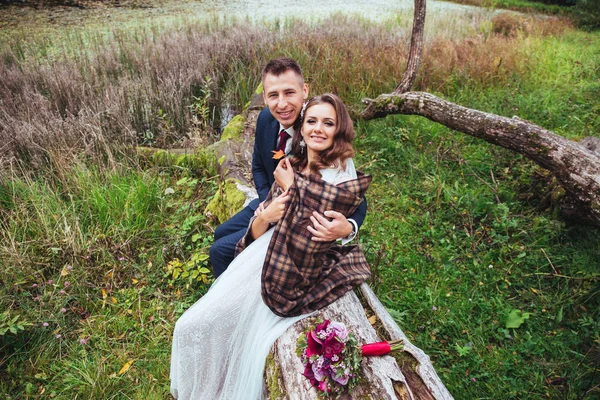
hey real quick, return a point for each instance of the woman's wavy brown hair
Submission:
(340, 151)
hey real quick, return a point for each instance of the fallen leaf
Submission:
(125, 367)
(373, 319)
(535, 291)
(278, 155)
(134, 280)
(64, 272)
(114, 301)
(104, 294)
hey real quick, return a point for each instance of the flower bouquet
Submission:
(331, 356)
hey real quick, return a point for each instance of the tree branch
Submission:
(416, 49)
(576, 167)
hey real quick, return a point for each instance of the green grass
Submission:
(456, 233)
(85, 269)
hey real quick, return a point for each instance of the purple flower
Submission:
(319, 372)
(473, 380)
(69, 267)
(83, 341)
(63, 310)
(45, 324)
(340, 330)
(342, 380)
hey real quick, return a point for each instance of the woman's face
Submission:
(318, 129)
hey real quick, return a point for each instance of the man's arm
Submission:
(338, 227)
(259, 170)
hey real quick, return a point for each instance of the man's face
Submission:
(284, 95)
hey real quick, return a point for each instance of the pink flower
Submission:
(310, 375)
(45, 324)
(69, 267)
(50, 282)
(323, 386)
(332, 346)
(473, 380)
(62, 292)
(121, 258)
(314, 344)
(434, 308)
(63, 310)
(322, 326)
(83, 341)
(67, 284)
(34, 285)
(58, 336)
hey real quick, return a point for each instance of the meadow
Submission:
(103, 247)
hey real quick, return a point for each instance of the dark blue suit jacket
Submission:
(263, 164)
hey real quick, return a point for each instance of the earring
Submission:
(302, 145)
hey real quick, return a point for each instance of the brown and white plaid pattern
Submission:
(300, 275)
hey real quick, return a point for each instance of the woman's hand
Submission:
(274, 211)
(284, 174)
(269, 215)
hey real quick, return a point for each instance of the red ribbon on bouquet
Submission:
(380, 348)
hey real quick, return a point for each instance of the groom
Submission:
(284, 92)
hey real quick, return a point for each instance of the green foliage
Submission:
(11, 324)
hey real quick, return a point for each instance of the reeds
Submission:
(142, 85)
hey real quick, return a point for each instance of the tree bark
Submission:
(416, 49)
(576, 167)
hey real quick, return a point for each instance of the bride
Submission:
(220, 343)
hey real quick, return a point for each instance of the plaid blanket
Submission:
(299, 275)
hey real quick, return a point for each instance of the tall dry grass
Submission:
(140, 86)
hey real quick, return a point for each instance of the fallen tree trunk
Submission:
(406, 374)
(575, 166)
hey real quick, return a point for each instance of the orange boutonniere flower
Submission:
(278, 155)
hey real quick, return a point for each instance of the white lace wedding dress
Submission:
(221, 342)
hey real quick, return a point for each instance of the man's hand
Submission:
(325, 230)
(284, 174)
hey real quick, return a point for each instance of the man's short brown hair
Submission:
(280, 66)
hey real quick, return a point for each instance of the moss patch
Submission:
(234, 128)
(273, 375)
(227, 201)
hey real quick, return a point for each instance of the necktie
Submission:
(283, 138)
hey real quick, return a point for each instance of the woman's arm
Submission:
(271, 214)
